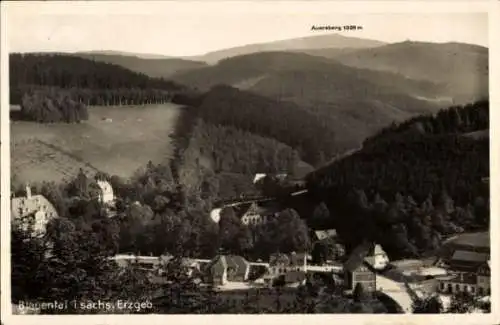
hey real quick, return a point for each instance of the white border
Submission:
(241, 7)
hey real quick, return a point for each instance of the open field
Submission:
(116, 140)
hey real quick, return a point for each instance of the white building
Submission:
(381, 258)
(259, 213)
(258, 177)
(106, 195)
(36, 206)
(470, 273)
(215, 215)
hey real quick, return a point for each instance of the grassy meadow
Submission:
(116, 139)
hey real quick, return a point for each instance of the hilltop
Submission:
(460, 70)
(311, 42)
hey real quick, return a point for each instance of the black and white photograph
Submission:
(246, 158)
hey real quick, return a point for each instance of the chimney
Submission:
(28, 191)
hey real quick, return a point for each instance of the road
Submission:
(397, 291)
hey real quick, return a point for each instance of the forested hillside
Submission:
(310, 135)
(460, 70)
(67, 71)
(413, 182)
(38, 82)
(355, 102)
(152, 67)
(221, 161)
(454, 120)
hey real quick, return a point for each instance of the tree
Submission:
(292, 232)
(324, 250)
(70, 263)
(428, 305)
(27, 253)
(359, 294)
(462, 303)
(321, 215)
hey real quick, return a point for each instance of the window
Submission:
(457, 287)
(472, 289)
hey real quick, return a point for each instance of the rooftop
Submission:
(222, 262)
(357, 257)
(263, 208)
(468, 256)
(323, 234)
(477, 239)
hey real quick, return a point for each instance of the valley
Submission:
(339, 170)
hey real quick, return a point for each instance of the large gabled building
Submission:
(470, 272)
(227, 268)
(259, 213)
(35, 207)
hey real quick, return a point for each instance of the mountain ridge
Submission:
(307, 42)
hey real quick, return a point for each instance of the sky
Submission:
(173, 29)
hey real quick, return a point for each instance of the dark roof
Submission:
(468, 256)
(221, 262)
(239, 262)
(217, 266)
(477, 239)
(357, 257)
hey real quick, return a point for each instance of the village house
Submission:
(106, 195)
(380, 259)
(261, 176)
(280, 264)
(33, 206)
(254, 213)
(215, 215)
(325, 234)
(259, 213)
(470, 273)
(329, 238)
(224, 269)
